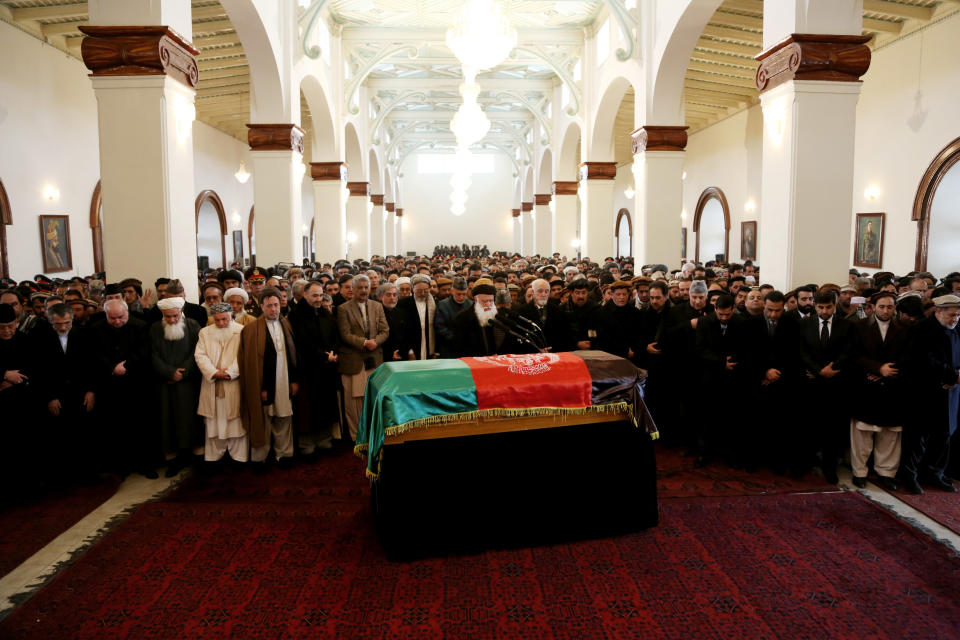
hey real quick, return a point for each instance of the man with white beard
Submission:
(237, 298)
(216, 356)
(173, 342)
(474, 330)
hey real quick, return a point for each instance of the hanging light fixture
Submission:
(242, 175)
(481, 37)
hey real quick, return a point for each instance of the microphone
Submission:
(535, 326)
(507, 320)
(503, 327)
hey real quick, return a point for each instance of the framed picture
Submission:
(238, 246)
(748, 240)
(868, 240)
(55, 243)
(683, 243)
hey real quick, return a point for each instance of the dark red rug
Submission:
(678, 478)
(28, 527)
(937, 505)
(293, 555)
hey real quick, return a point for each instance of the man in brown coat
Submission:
(363, 330)
(268, 378)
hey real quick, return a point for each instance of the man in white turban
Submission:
(238, 299)
(216, 357)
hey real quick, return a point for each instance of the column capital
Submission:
(275, 137)
(526, 206)
(399, 213)
(390, 206)
(359, 188)
(139, 51)
(598, 171)
(565, 188)
(328, 171)
(812, 56)
(376, 199)
(515, 213)
(541, 199)
(659, 138)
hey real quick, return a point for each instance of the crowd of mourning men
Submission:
(271, 365)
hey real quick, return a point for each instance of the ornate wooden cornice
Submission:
(565, 188)
(659, 138)
(515, 213)
(376, 199)
(598, 171)
(542, 199)
(329, 171)
(275, 137)
(399, 213)
(390, 206)
(526, 206)
(812, 56)
(359, 188)
(139, 51)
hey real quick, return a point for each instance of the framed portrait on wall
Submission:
(683, 243)
(868, 239)
(748, 240)
(55, 243)
(238, 246)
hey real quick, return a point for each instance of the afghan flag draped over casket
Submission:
(420, 394)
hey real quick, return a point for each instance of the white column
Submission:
(517, 231)
(658, 203)
(358, 220)
(565, 211)
(329, 210)
(277, 180)
(598, 219)
(378, 240)
(528, 224)
(398, 230)
(390, 235)
(544, 226)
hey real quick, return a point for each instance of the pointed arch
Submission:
(6, 217)
(708, 194)
(353, 153)
(568, 160)
(253, 256)
(602, 142)
(545, 178)
(623, 216)
(96, 227)
(209, 195)
(922, 202)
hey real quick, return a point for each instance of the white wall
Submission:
(426, 209)
(48, 136)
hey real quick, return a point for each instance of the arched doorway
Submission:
(250, 239)
(936, 208)
(211, 228)
(711, 224)
(96, 227)
(624, 234)
(6, 217)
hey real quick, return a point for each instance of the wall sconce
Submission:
(629, 192)
(683, 176)
(575, 243)
(235, 218)
(51, 193)
(750, 206)
(242, 175)
(871, 192)
(351, 237)
(184, 113)
(305, 228)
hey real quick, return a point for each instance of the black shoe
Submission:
(910, 485)
(860, 483)
(890, 484)
(285, 463)
(830, 474)
(943, 484)
(150, 474)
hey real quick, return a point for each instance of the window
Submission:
(443, 163)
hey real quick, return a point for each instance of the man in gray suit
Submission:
(363, 330)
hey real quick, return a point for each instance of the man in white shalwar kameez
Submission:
(216, 357)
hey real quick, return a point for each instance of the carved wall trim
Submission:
(708, 193)
(376, 199)
(390, 206)
(942, 163)
(541, 199)
(813, 56)
(359, 188)
(659, 138)
(598, 171)
(564, 188)
(399, 213)
(526, 206)
(515, 213)
(329, 171)
(137, 51)
(275, 137)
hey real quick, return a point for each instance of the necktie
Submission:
(723, 329)
(366, 322)
(771, 328)
(824, 333)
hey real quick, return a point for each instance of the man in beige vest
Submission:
(216, 357)
(363, 330)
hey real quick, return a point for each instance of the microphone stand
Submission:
(503, 326)
(507, 320)
(535, 326)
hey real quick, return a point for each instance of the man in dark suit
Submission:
(825, 351)
(878, 409)
(934, 374)
(773, 373)
(720, 346)
(363, 330)
(418, 341)
(389, 296)
(447, 310)
(546, 314)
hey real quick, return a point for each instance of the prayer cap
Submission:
(171, 303)
(236, 291)
(948, 300)
(221, 307)
(484, 289)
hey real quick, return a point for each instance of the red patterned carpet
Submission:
(937, 505)
(677, 478)
(30, 526)
(293, 554)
